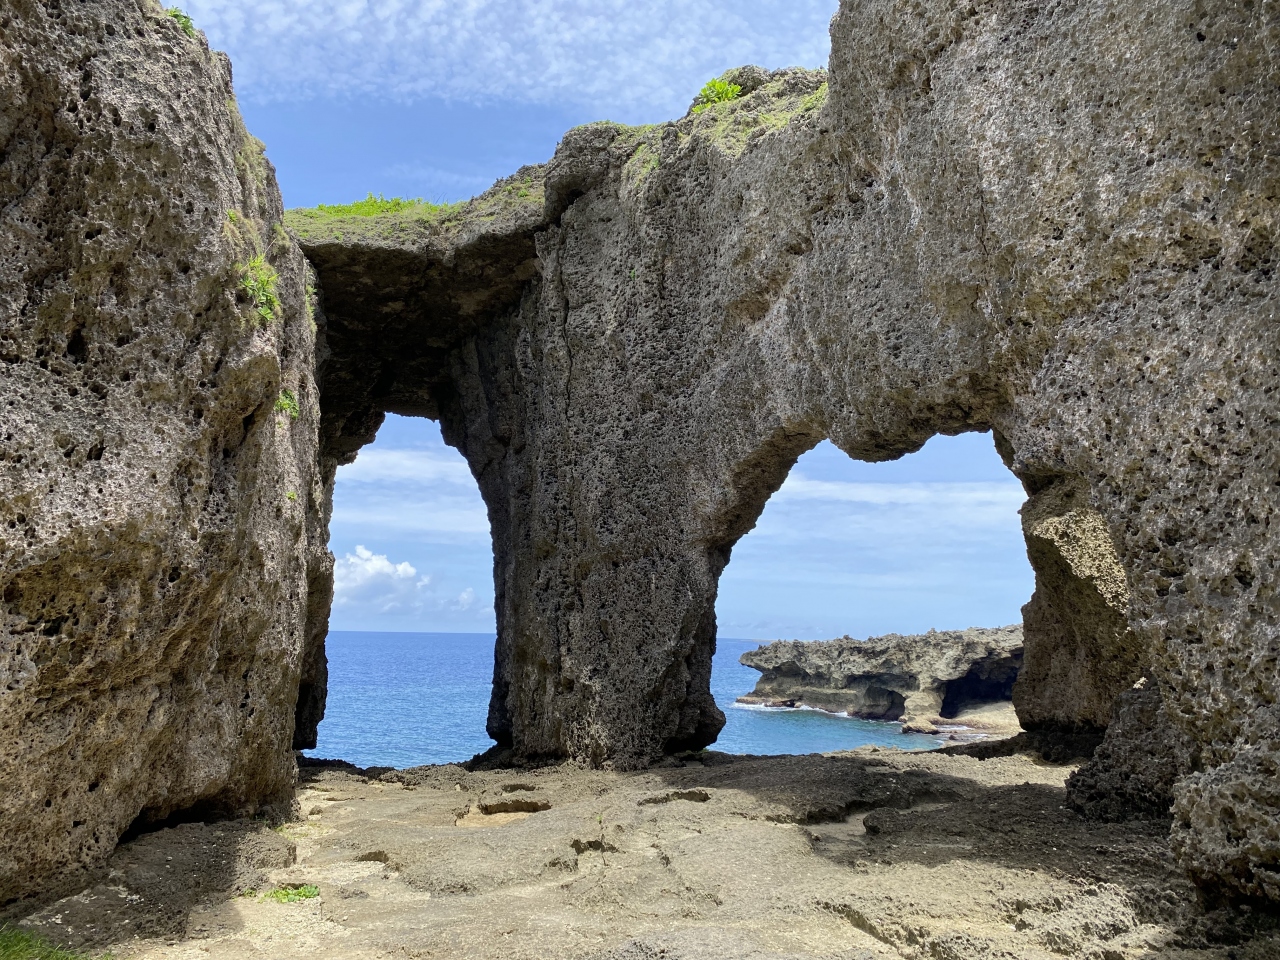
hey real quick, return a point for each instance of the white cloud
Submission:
(408, 466)
(364, 567)
(650, 53)
(971, 494)
(372, 583)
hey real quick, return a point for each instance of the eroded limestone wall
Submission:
(1080, 653)
(1056, 222)
(158, 510)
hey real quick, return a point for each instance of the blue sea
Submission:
(406, 699)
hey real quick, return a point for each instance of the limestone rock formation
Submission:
(920, 680)
(1081, 653)
(160, 506)
(1054, 223)
(1134, 771)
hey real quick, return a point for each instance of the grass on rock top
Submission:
(722, 115)
(398, 218)
(372, 206)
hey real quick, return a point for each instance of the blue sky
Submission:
(931, 540)
(439, 98)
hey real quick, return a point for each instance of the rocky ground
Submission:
(856, 855)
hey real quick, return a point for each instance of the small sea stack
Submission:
(939, 678)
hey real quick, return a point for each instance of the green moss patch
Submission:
(287, 402)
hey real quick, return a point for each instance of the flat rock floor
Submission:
(856, 855)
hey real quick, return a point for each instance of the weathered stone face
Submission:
(1081, 654)
(160, 515)
(1057, 224)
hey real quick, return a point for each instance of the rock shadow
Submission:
(153, 884)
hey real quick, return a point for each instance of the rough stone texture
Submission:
(159, 518)
(1054, 222)
(921, 680)
(1081, 654)
(870, 855)
(1057, 222)
(1134, 770)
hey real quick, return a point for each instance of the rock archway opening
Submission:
(932, 541)
(411, 631)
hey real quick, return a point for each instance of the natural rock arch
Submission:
(1056, 223)
(626, 430)
(911, 253)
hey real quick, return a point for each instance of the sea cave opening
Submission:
(845, 548)
(411, 632)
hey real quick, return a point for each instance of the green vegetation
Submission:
(258, 280)
(291, 496)
(287, 402)
(16, 945)
(184, 21)
(815, 99)
(233, 216)
(372, 206)
(279, 238)
(293, 892)
(715, 91)
(378, 219)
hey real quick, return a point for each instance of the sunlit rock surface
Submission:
(920, 680)
(161, 517)
(1057, 223)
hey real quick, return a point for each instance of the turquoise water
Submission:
(405, 699)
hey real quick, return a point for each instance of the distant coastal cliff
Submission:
(923, 680)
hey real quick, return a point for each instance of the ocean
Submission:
(407, 699)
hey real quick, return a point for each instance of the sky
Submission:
(929, 541)
(439, 98)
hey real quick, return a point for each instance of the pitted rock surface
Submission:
(1054, 222)
(161, 518)
(921, 680)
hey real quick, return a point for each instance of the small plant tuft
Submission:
(17, 945)
(287, 402)
(291, 496)
(233, 216)
(184, 21)
(715, 91)
(292, 893)
(258, 280)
